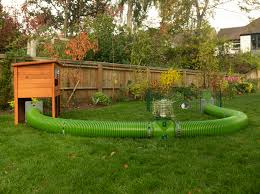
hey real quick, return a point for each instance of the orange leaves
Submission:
(79, 46)
(155, 84)
(76, 48)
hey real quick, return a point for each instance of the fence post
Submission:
(184, 77)
(148, 74)
(257, 80)
(100, 78)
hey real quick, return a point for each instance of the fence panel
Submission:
(109, 78)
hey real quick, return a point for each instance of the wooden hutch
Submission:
(37, 79)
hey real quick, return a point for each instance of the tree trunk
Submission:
(199, 22)
(130, 15)
(201, 11)
(80, 4)
(66, 10)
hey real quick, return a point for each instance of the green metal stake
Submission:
(220, 98)
(149, 100)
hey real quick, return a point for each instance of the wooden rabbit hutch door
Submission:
(37, 79)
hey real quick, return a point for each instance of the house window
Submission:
(258, 41)
(236, 45)
(255, 40)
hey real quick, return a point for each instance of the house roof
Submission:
(234, 33)
(230, 33)
(253, 27)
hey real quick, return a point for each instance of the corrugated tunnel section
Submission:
(230, 121)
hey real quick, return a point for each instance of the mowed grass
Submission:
(33, 161)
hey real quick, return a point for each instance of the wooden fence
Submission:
(109, 78)
(254, 75)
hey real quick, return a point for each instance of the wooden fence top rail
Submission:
(70, 63)
(106, 65)
(94, 64)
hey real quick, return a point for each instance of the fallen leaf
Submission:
(112, 153)
(72, 155)
(125, 166)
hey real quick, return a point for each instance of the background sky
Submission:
(227, 15)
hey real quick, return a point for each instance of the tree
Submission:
(64, 15)
(136, 11)
(102, 29)
(206, 57)
(249, 5)
(204, 8)
(9, 29)
(178, 15)
(185, 13)
(175, 14)
(148, 48)
(201, 8)
(79, 46)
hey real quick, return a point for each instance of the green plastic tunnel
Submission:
(229, 121)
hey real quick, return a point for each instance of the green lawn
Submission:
(33, 161)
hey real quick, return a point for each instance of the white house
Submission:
(244, 39)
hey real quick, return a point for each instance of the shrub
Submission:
(6, 83)
(11, 104)
(245, 87)
(138, 89)
(232, 80)
(122, 95)
(100, 98)
(244, 62)
(168, 79)
(189, 92)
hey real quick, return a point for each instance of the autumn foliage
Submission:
(169, 78)
(34, 22)
(9, 29)
(78, 47)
